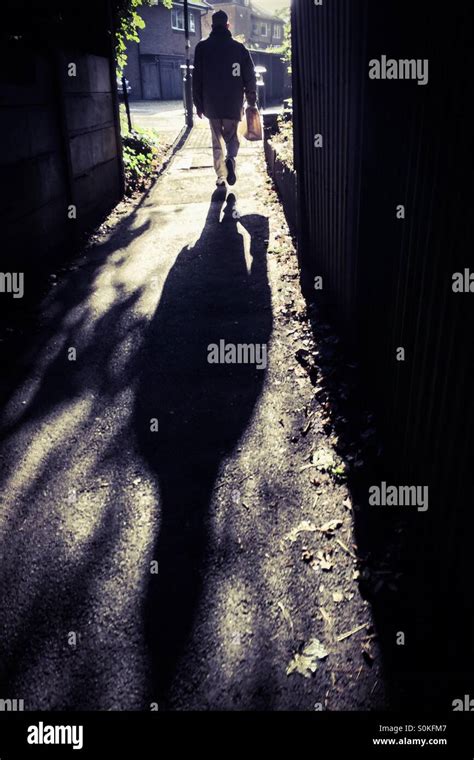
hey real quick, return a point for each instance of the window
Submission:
(264, 30)
(277, 32)
(177, 20)
(255, 28)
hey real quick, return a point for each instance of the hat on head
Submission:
(219, 18)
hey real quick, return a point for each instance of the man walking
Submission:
(223, 74)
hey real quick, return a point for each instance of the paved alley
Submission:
(164, 538)
(165, 116)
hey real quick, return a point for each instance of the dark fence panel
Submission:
(387, 143)
(275, 79)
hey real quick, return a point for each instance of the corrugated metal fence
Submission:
(387, 143)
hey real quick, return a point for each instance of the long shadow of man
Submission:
(215, 291)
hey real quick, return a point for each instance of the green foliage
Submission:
(285, 48)
(142, 151)
(128, 24)
(282, 142)
(123, 120)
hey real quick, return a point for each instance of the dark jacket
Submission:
(223, 73)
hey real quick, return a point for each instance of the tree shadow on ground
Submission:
(216, 291)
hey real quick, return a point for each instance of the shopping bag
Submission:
(253, 124)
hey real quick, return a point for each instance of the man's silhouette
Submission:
(223, 73)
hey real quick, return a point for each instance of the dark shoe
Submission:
(230, 166)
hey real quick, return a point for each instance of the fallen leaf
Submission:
(329, 527)
(338, 597)
(325, 560)
(323, 459)
(303, 527)
(306, 663)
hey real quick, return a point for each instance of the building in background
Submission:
(153, 64)
(263, 34)
(256, 27)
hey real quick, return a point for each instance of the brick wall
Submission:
(158, 38)
(268, 39)
(239, 19)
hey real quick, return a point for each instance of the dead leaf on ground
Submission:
(325, 560)
(330, 527)
(323, 459)
(304, 527)
(306, 663)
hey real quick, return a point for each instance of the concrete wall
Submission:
(91, 127)
(34, 186)
(57, 146)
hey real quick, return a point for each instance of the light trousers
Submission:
(225, 143)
